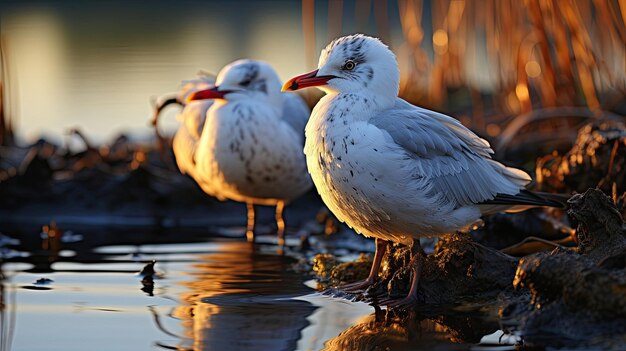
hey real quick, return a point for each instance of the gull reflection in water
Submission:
(241, 299)
(384, 331)
(238, 298)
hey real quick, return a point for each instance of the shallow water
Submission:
(209, 294)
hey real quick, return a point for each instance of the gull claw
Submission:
(374, 293)
(373, 296)
(356, 287)
(399, 303)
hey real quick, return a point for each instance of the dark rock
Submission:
(566, 297)
(43, 281)
(600, 228)
(576, 281)
(331, 272)
(148, 270)
(459, 270)
(577, 297)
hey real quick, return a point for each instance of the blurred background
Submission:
(97, 65)
(543, 80)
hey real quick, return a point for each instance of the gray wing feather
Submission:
(452, 162)
(295, 112)
(436, 130)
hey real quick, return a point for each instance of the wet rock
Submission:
(323, 265)
(459, 270)
(123, 178)
(577, 297)
(352, 271)
(148, 270)
(331, 272)
(577, 281)
(600, 229)
(566, 297)
(43, 281)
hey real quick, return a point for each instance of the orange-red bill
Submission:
(212, 93)
(306, 80)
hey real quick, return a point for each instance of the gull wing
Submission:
(184, 146)
(448, 160)
(296, 113)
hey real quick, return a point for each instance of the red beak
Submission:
(306, 80)
(212, 93)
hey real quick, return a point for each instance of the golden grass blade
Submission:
(308, 28)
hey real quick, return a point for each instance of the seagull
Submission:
(191, 118)
(392, 170)
(250, 148)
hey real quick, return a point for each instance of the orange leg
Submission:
(381, 248)
(416, 261)
(280, 222)
(250, 226)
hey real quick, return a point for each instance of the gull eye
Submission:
(349, 65)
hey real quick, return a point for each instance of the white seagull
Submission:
(391, 170)
(250, 149)
(191, 118)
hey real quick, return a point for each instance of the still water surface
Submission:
(216, 294)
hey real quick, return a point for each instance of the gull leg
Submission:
(381, 248)
(417, 262)
(280, 223)
(250, 225)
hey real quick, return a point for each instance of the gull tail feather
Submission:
(516, 176)
(523, 200)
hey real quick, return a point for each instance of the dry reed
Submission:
(507, 57)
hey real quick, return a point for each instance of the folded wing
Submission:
(295, 113)
(452, 163)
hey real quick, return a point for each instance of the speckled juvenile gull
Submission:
(391, 170)
(250, 149)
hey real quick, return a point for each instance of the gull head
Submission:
(353, 64)
(244, 79)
